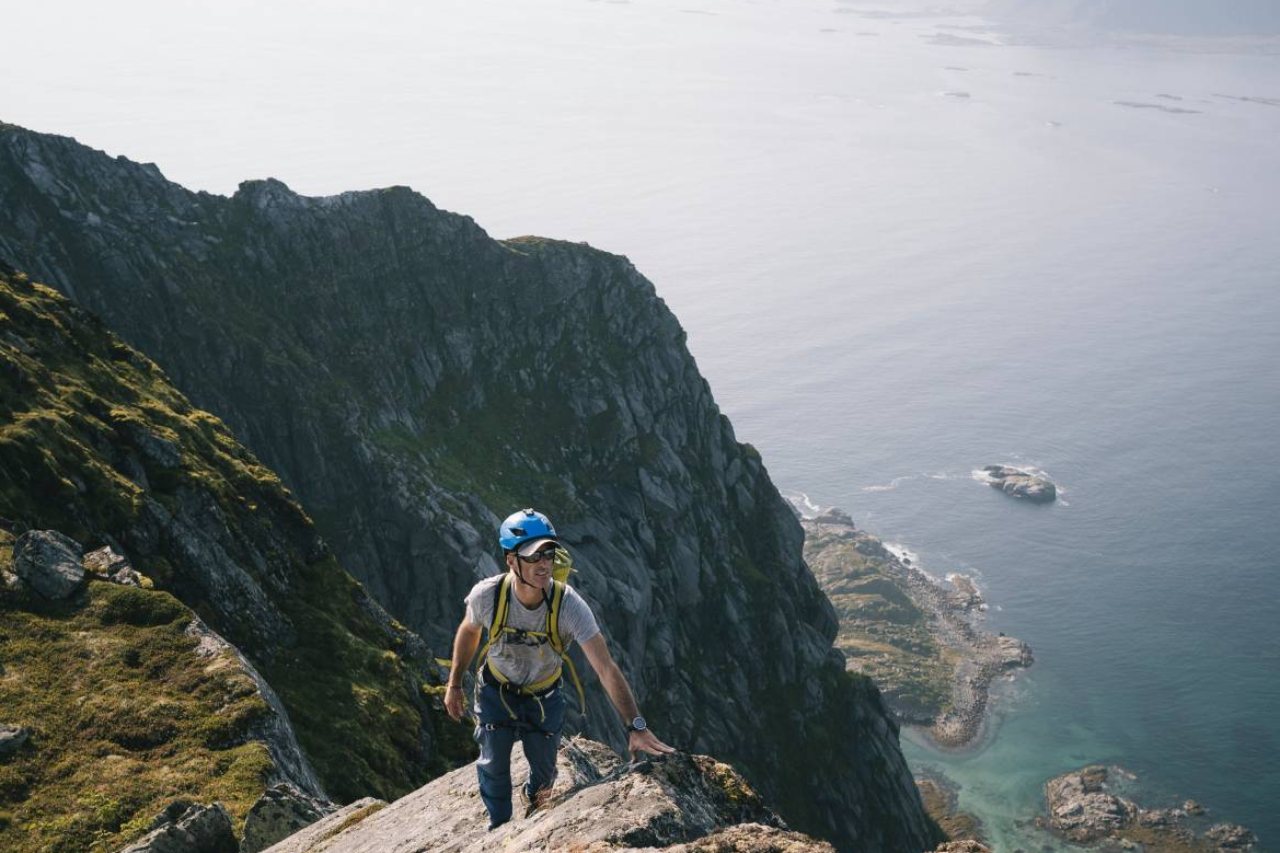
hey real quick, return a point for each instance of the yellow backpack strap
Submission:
(558, 592)
(500, 603)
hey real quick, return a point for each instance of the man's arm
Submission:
(465, 643)
(615, 684)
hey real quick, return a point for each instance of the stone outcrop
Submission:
(186, 827)
(1020, 484)
(280, 812)
(678, 803)
(49, 562)
(414, 380)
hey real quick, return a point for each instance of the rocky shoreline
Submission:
(920, 639)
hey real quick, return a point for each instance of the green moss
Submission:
(882, 632)
(120, 712)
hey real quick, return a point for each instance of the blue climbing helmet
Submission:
(522, 526)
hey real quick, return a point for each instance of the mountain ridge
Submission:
(410, 379)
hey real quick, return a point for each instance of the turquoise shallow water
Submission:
(899, 256)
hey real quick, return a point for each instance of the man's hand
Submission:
(454, 700)
(646, 741)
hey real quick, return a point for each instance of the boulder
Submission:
(185, 827)
(49, 563)
(12, 738)
(1020, 484)
(281, 811)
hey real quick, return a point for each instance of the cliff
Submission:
(412, 380)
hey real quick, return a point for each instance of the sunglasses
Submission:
(538, 557)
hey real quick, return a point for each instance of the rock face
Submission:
(1020, 484)
(49, 562)
(679, 803)
(414, 380)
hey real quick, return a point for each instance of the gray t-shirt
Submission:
(526, 659)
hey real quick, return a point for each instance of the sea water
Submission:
(904, 246)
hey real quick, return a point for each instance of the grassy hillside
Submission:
(95, 443)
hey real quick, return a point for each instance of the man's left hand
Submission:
(647, 741)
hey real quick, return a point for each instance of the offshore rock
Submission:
(186, 827)
(678, 803)
(413, 380)
(1083, 808)
(1020, 484)
(49, 562)
(1231, 836)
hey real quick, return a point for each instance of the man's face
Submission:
(536, 568)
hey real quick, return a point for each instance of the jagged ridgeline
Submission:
(413, 380)
(125, 715)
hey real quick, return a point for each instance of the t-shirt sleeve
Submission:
(480, 605)
(577, 622)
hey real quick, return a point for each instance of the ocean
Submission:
(904, 245)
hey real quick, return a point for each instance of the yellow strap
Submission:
(498, 626)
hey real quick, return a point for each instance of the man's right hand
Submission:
(454, 700)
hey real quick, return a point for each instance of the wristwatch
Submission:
(637, 725)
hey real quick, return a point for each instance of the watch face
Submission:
(638, 724)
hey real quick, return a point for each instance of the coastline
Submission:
(921, 639)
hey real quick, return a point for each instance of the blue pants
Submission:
(534, 720)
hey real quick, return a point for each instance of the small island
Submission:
(1018, 483)
(920, 639)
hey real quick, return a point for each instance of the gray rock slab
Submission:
(49, 563)
(598, 803)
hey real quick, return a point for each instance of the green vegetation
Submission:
(125, 718)
(94, 440)
(882, 632)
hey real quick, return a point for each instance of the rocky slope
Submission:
(412, 379)
(97, 444)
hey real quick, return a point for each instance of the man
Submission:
(519, 693)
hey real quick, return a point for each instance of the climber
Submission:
(532, 619)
